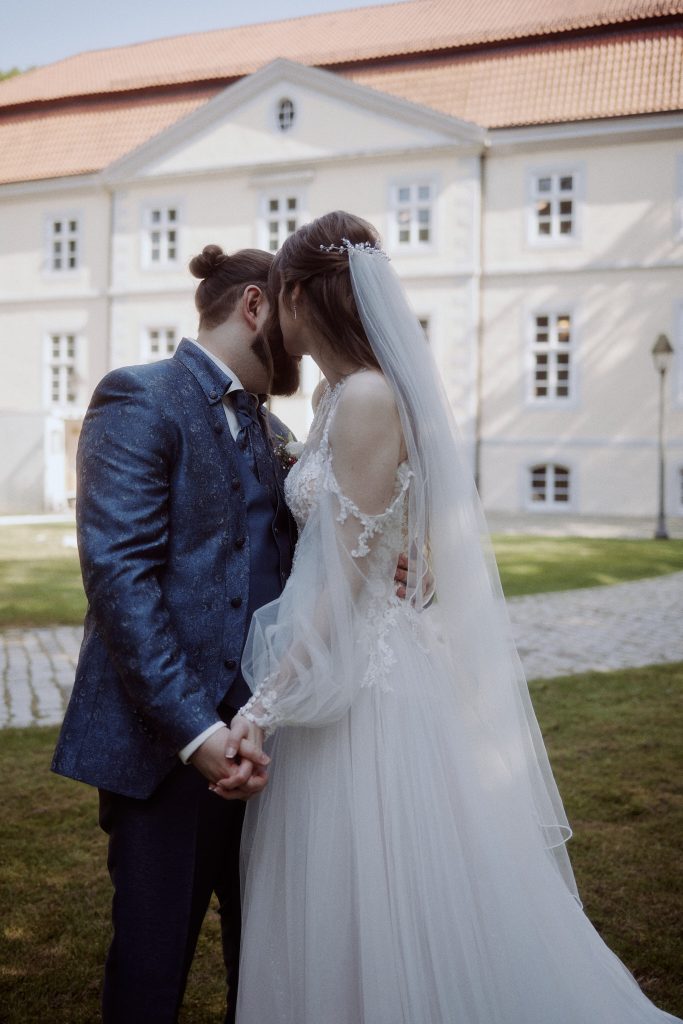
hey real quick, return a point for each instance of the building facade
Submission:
(543, 259)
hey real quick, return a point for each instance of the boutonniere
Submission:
(288, 452)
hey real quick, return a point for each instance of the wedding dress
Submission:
(406, 863)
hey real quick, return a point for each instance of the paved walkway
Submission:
(601, 628)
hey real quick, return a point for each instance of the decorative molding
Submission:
(602, 131)
(586, 268)
(284, 72)
(49, 186)
(556, 446)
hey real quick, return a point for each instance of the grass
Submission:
(614, 741)
(40, 581)
(533, 565)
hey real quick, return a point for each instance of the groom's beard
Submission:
(283, 371)
(286, 370)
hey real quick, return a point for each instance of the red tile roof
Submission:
(80, 139)
(443, 54)
(324, 40)
(569, 81)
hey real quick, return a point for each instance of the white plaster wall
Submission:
(608, 433)
(24, 269)
(627, 209)
(23, 333)
(324, 126)
(610, 479)
(22, 462)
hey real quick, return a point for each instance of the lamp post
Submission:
(661, 354)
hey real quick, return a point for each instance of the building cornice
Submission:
(621, 267)
(53, 186)
(605, 131)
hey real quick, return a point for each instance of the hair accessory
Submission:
(373, 248)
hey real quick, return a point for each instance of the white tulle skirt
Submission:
(389, 877)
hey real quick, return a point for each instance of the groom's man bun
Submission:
(223, 280)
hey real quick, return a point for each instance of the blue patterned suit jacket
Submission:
(162, 523)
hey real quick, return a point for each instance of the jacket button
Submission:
(240, 542)
(276, 531)
(214, 394)
(218, 427)
(230, 663)
(236, 602)
(236, 484)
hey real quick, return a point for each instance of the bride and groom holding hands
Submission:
(402, 858)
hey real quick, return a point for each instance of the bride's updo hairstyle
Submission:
(326, 281)
(223, 280)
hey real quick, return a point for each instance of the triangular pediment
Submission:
(332, 117)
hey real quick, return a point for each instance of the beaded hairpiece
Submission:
(373, 249)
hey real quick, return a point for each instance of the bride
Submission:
(407, 862)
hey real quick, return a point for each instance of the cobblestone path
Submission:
(603, 628)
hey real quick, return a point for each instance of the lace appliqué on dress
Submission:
(371, 524)
(261, 709)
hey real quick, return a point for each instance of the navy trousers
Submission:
(167, 854)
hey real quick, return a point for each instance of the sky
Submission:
(34, 32)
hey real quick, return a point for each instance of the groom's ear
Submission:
(253, 299)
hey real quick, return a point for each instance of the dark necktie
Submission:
(252, 441)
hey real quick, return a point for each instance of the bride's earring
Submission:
(295, 310)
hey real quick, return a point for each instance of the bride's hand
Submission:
(246, 739)
(244, 750)
(405, 574)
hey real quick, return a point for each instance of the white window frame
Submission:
(413, 205)
(555, 239)
(549, 505)
(551, 401)
(280, 195)
(63, 405)
(75, 236)
(164, 226)
(146, 353)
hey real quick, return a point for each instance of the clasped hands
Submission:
(233, 760)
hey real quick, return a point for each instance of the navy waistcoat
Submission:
(270, 556)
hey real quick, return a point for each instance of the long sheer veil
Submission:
(448, 533)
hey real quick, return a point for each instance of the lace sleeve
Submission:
(304, 656)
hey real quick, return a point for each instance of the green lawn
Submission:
(40, 582)
(532, 565)
(614, 741)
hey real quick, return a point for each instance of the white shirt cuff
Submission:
(186, 753)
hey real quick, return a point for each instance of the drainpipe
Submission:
(480, 323)
(109, 281)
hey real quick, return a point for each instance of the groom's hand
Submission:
(245, 753)
(212, 760)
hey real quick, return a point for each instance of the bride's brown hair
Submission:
(326, 281)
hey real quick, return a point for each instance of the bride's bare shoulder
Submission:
(366, 402)
(368, 386)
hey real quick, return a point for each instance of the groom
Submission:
(183, 532)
